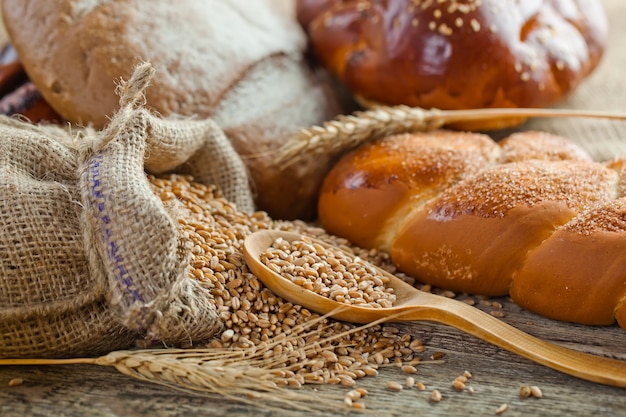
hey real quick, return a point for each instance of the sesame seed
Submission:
(475, 25)
(445, 29)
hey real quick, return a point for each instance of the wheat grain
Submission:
(15, 382)
(394, 386)
(436, 396)
(331, 273)
(330, 352)
(536, 391)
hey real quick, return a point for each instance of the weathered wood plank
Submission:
(496, 377)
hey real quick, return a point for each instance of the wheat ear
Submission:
(246, 375)
(348, 131)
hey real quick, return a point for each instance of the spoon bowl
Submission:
(412, 305)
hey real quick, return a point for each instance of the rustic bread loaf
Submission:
(532, 216)
(458, 54)
(238, 62)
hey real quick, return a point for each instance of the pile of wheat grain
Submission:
(328, 352)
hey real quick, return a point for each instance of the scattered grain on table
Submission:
(536, 391)
(302, 346)
(526, 391)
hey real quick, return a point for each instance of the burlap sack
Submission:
(90, 259)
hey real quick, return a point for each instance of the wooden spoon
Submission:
(413, 304)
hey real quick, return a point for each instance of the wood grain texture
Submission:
(78, 390)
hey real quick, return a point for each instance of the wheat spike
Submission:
(348, 131)
(245, 375)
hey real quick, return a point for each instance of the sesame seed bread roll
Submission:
(458, 54)
(531, 216)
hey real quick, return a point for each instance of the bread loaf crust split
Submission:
(549, 228)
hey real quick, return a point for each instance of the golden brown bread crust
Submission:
(459, 54)
(239, 62)
(383, 181)
(578, 275)
(480, 229)
(547, 228)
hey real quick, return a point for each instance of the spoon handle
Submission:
(485, 327)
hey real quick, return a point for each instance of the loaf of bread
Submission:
(239, 62)
(532, 216)
(458, 54)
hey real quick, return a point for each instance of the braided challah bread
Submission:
(532, 216)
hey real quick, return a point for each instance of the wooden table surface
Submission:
(79, 390)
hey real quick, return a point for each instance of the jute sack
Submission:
(90, 259)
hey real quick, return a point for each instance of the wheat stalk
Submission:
(245, 375)
(348, 131)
